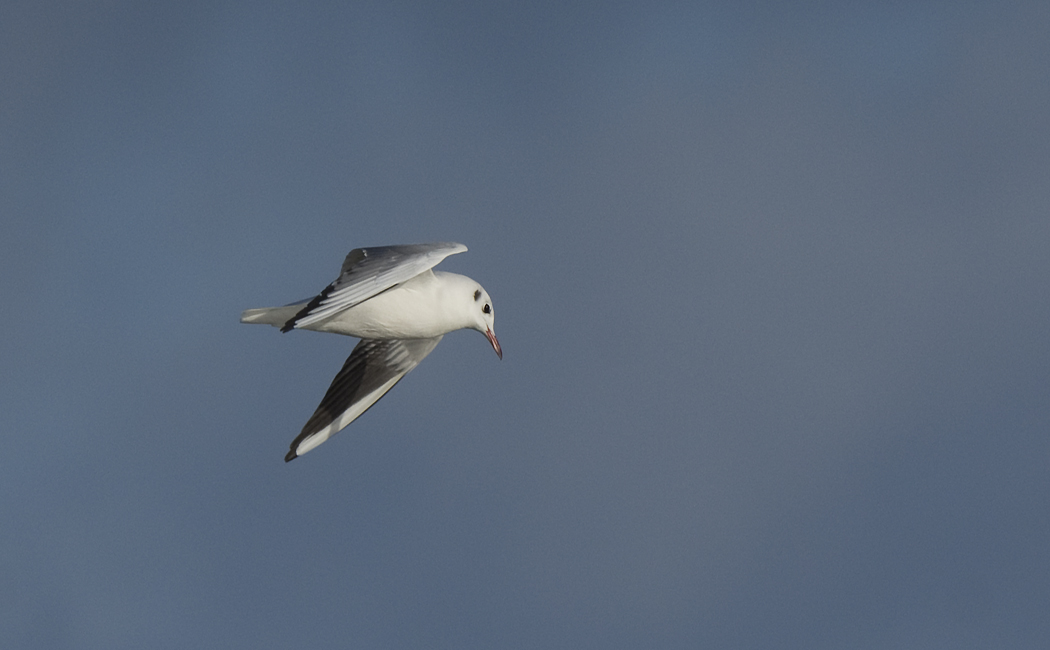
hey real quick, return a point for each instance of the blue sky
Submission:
(770, 282)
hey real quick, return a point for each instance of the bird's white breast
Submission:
(417, 309)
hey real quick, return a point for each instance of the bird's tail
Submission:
(276, 316)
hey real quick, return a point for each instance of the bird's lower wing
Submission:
(371, 370)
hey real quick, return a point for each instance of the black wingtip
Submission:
(291, 455)
(289, 326)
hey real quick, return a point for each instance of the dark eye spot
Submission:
(477, 294)
(486, 309)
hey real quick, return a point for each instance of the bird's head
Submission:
(485, 317)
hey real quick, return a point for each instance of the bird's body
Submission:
(419, 308)
(391, 299)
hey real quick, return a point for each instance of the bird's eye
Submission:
(486, 309)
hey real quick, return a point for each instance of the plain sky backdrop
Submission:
(771, 281)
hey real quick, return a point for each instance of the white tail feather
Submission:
(276, 316)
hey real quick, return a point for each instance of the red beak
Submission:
(495, 344)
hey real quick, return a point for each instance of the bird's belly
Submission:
(395, 314)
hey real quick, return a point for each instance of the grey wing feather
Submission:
(372, 369)
(367, 272)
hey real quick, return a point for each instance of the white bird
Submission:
(389, 297)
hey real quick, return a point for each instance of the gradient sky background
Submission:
(771, 281)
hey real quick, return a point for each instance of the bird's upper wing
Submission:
(370, 271)
(371, 370)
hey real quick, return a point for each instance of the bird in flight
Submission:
(389, 297)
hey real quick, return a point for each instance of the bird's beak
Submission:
(495, 344)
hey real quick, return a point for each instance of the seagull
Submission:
(388, 297)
